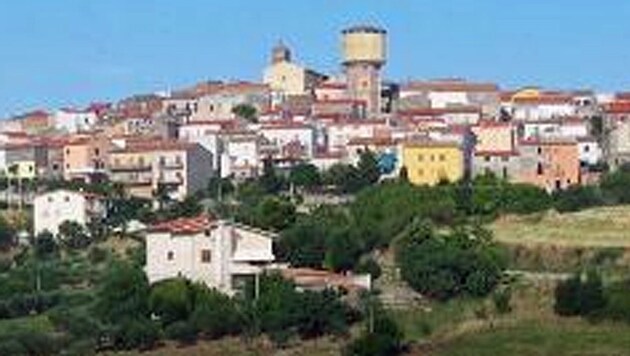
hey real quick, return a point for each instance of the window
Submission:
(505, 158)
(539, 169)
(487, 158)
(170, 255)
(587, 148)
(442, 157)
(206, 256)
(67, 151)
(505, 173)
(420, 158)
(66, 198)
(178, 160)
(420, 172)
(162, 161)
(55, 166)
(50, 199)
(539, 150)
(97, 151)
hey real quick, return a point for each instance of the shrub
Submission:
(501, 299)
(580, 295)
(44, 245)
(181, 331)
(97, 255)
(443, 266)
(214, 314)
(78, 324)
(140, 333)
(171, 300)
(369, 266)
(618, 302)
(384, 339)
(576, 198)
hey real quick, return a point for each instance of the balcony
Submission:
(130, 168)
(172, 165)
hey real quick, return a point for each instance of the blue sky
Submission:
(70, 52)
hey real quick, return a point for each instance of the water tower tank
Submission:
(364, 44)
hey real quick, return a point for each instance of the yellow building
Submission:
(287, 77)
(430, 162)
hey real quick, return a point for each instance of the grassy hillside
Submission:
(598, 227)
(568, 337)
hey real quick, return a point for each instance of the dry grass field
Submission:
(599, 227)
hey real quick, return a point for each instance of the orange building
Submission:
(549, 164)
(85, 157)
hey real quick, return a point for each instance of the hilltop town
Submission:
(369, 215)
(549, 138)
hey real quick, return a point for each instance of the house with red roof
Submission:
(220, 254)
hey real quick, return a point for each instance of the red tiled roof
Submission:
(282, 125)
(452, 85)
(332, 86)
(544, 99)
(183, 226)
(309, 277)
(618, 107)
(440, 111)
(496, 153)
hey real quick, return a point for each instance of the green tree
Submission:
(303, 244)
(7, 235)
(171, 300)
(73, 235)
(614, 186)
(345, 177)
(322, 313)
(382, 337)
(44, 245)
(123, 294)
(367, 168)
(270, 181)
(246, 111)
(577, 198)
(443, 266)
(273, 213)
(582, 294)
(305, 175)
(214, 314)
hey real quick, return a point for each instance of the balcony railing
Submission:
(130, 167)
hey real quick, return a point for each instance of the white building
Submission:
(589, 151)
(207, 134)
(339, 133)
(72, 121)
(240, 156)
(284, 134)
(53, 208)
(543, 107)
(220, 254)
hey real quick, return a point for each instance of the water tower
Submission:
(364, 53)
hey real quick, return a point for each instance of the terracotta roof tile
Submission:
(184, 226)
